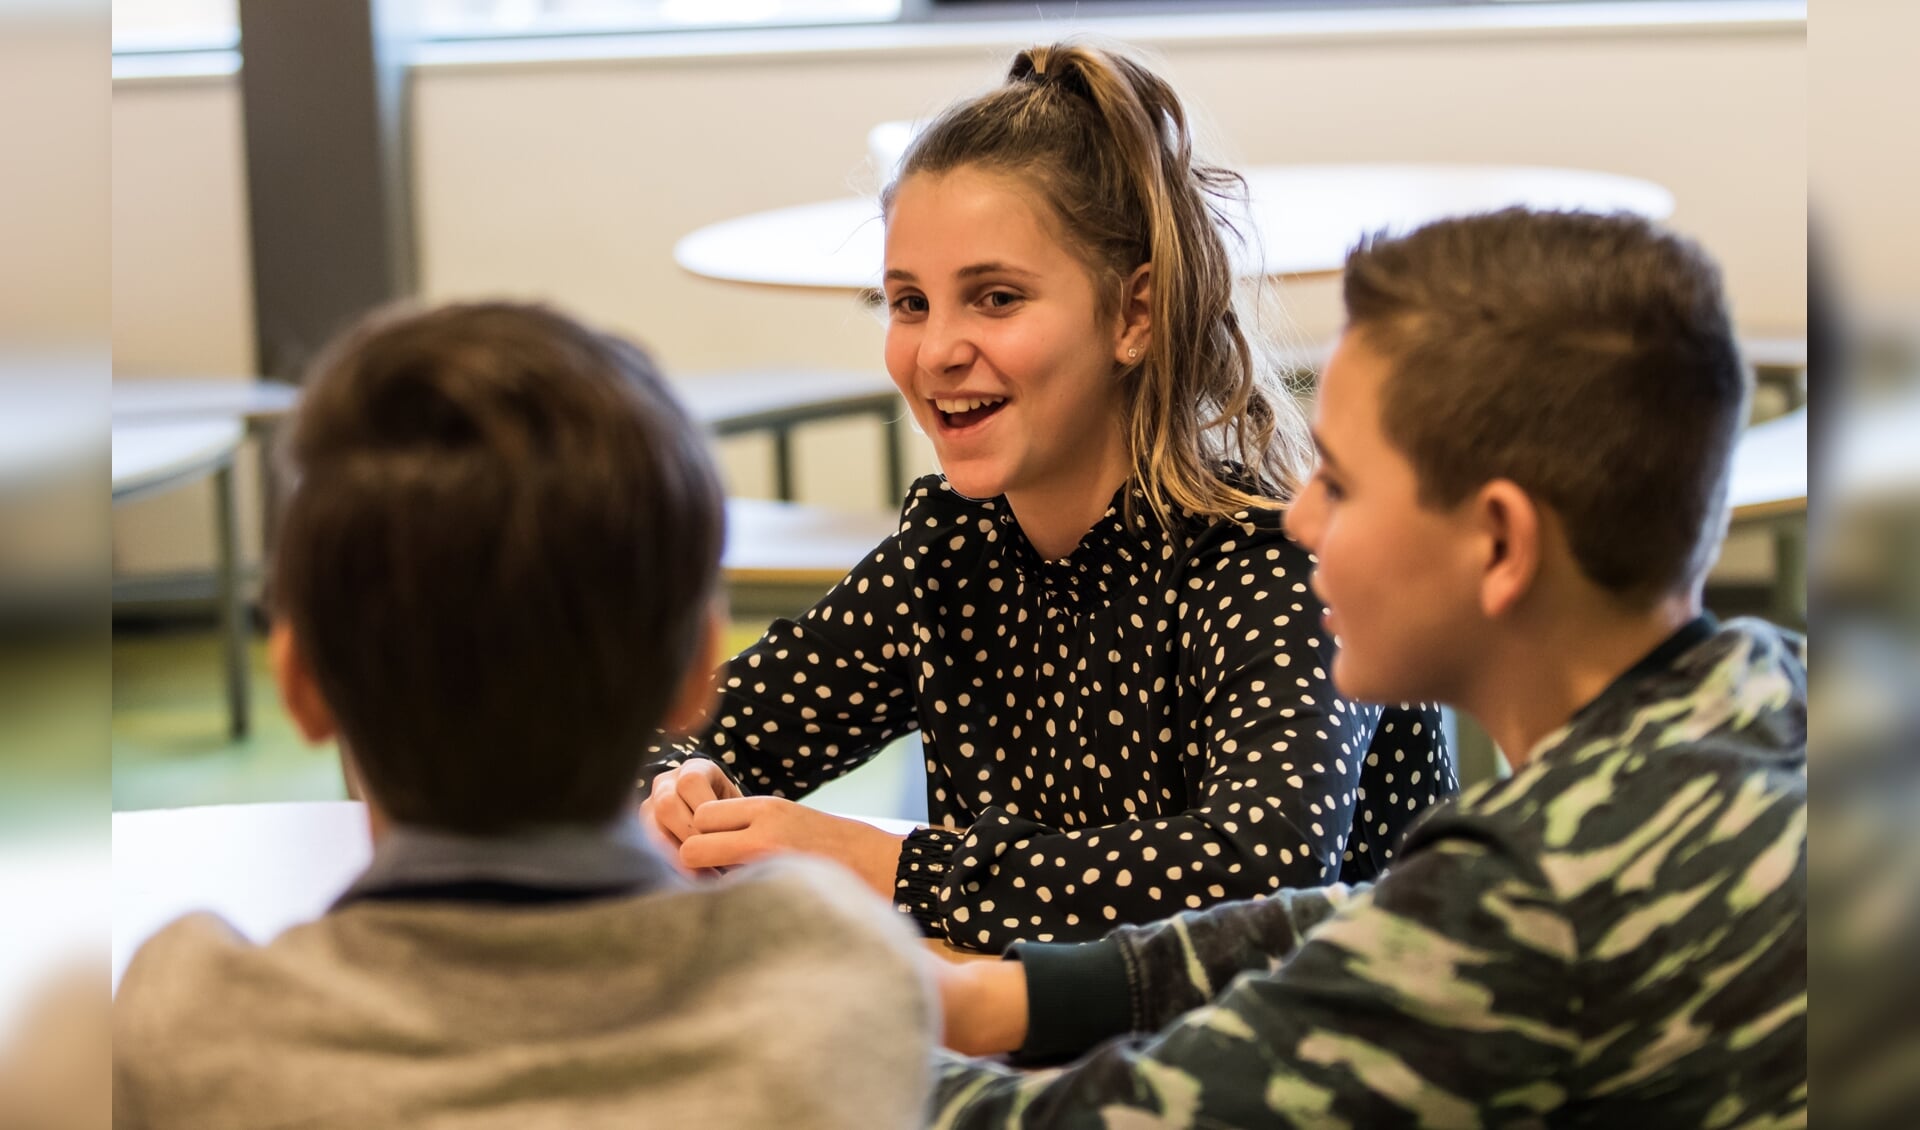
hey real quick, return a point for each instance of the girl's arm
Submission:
(1272, 782)
(816, 697)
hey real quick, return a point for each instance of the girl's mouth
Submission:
(961, 413)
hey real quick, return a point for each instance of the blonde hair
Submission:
(1108, 144)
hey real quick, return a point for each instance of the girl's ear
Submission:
(1136, 317)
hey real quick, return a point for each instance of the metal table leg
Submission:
(783, 464)
(233, 618)
(896, 458)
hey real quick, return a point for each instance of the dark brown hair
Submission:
(1587, 358)
(1107, 144)
(498, 555)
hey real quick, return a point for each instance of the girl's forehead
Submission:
(965, 214)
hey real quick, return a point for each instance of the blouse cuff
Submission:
(922, 875)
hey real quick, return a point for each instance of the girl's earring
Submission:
(1132, 353)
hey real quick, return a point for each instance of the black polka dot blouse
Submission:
(1144, 727)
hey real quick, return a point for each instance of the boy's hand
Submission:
(678, 793)
(983, 1004)
(727, 832)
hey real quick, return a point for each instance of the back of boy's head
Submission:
(1587, 358)
(498, 557)
(1108, 145)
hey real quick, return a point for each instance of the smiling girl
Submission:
(1093, 616)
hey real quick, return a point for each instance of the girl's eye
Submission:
(1000, 299)
(909, 304)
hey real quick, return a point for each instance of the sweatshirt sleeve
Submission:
(1141, 978)
(1401, 1008)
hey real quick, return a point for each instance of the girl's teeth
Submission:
(964, 405)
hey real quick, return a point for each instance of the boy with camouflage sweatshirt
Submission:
(1524, 436)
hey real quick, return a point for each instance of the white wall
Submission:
(571, 183)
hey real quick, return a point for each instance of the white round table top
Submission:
(1769, 473)
(782, 543)
(1305, 218)
(161, 398)
(147, 455)
(262, 867)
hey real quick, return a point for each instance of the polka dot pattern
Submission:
(1144, 727)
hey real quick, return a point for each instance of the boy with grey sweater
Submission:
(495, 580)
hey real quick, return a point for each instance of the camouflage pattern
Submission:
(1613, 937)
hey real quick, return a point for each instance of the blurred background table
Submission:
(1304, 218)
(152, 457)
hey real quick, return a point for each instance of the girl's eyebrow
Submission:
(898, 274)
(992, 268)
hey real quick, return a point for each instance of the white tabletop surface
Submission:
(1305, 216)
(772, 541)
(1770, 464)
(148, 454)
(161, 398)
(262, 867)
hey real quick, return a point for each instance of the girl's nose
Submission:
(946, 346)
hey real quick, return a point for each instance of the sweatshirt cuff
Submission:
(922, 874)
(1077, 996)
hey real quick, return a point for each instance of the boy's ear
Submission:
(687, 713)
(298, 690)
(1511, 528)
(1136, 316)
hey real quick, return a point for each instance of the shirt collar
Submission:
(564, 861)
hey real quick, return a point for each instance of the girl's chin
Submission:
(975, 482)
(976, 486)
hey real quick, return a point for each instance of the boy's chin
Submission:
(1362, 683)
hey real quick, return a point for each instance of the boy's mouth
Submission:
(961, 413)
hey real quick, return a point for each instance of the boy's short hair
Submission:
(498, 554)
(1587, 358)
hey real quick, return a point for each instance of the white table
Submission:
(725, 403)
(805, 547)
(1306, 218)
(263, 867)
(149, 458)
(1768, 487)
(1769, 475)
(188, 398)
(777, 401)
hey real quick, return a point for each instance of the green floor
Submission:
(170, 744)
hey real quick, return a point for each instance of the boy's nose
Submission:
(1302, 519)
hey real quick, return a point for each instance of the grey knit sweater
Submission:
(784, 995)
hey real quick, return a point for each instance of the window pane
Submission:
(175, 25)
(461, 18)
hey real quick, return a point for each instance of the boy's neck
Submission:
(1546, 671)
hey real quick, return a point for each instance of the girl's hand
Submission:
(727, 832)
(678, 793)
